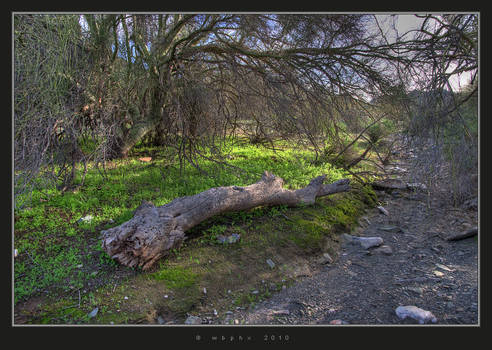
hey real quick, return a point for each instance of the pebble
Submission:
(87, 219)
(393, 229)
(93, 313)
(338, 322)
(417, 290)
(382, 210)
(193, 320)
(384, 249)
(418, 314)
(444, 267)
(325, 259)
(438, 273)
(270, 263)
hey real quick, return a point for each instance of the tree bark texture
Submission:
(154, 231)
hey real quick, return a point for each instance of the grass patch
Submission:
(60, 255)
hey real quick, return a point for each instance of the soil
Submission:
(365, 286)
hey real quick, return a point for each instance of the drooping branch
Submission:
(154, 231)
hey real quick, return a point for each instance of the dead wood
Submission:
(462, 235)
(154, 231)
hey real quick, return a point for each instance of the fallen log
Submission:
(462, 235)
(154, 231)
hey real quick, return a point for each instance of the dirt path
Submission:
(366, 286)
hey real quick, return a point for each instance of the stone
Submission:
(418, 314)
(438, 273)
(417, 290)
(160, 320)
(233, 238)
(384, 249)
(284, 312)
(325, 259)
(338, 322)
(369, 242)
(193, 320)
(416, 187)
(270, 263)
(444, 267)
(390, 228)
(93, 313)
(383, 211)
(86, 219)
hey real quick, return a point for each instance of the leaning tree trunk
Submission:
(154, 231)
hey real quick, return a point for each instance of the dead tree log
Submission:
(154, 231)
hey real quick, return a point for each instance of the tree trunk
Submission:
(135, 134)
(154, 231)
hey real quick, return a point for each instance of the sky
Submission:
(407, 22)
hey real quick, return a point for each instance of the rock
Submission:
(300, 270)
(444, 267)
(365, 242)
(204, 290)
(270, 263)
(368, 242)
(325, 259)
(236, 321)
(255, 292)
(86, 219)
(417, 290)
(215, 312)
(284, 312)
(418, 314)
(233, 238)
(160, 320)
(193, 320)
(416, 187)
(384, 249)
(471, 204)
(15, 253)
(338, 322)
(126, 298)
(383, 211)
(93, 313)
(390, 228)
(438, 273)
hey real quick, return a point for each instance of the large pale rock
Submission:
(418, 314)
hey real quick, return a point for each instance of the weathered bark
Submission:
(154, 231)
